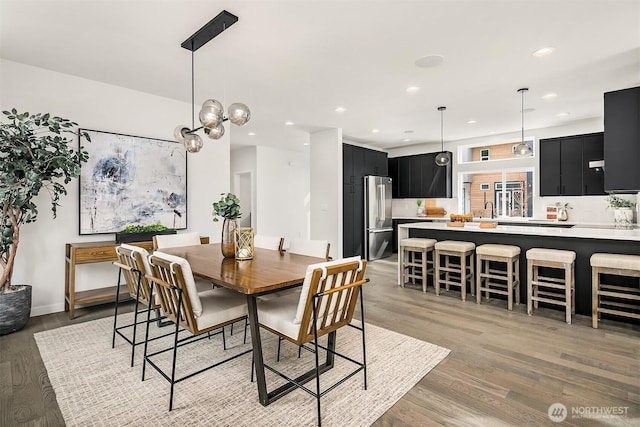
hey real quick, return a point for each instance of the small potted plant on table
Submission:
(622, 210)
(228, 207)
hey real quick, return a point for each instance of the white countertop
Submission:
(581, 231)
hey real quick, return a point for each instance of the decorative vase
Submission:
(15, 309)
(227, 243)
(623, 217)
(563, 214)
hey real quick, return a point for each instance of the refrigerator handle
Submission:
(381, 202)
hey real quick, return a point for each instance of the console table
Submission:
(89, 253)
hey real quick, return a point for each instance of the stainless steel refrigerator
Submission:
(378, 229)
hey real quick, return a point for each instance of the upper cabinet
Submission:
(622, 141)
(564, 165)
(419, 177)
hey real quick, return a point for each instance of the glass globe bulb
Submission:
(239, 114)
(179, 132)
(522, 150)
(192, 143)
(216, 132)
(209, 116)
(442, 159)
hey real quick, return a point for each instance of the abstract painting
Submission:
(131, 180)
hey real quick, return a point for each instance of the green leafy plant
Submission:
(419, 202)
(144, 228)
(227, 207)
(563, 205)
(35, 153)
(618, 202)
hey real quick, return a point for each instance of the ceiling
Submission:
(299, 60)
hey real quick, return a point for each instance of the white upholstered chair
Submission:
(196, 312)
(162, 241)
(314, 248)
(326, 303)
(268, 242)
(133, 264)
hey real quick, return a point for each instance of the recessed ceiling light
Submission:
(429, 61)
(306, 143)
(413, 89)
(289, 123)
(549, 95)
(543, 51)
(340, 109)
(563, 114)
(408, 131)
(375, 130)
(471, 122)
(251, 134)
(406, 140)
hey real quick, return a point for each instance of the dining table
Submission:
(269, 271)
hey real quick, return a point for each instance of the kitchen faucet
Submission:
(492, 207)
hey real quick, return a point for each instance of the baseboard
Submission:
(46, 309)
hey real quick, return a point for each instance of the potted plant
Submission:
(228, 207)
(562, 211)
(420, 208)
(35, 153)
(141, 233)
(622, 209)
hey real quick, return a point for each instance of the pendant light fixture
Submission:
(442, 158)
(211, 114)
(523, 149)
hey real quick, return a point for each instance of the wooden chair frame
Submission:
(318, 321)
(132, 267)
(168, 279)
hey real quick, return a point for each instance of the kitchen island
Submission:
(583, 239)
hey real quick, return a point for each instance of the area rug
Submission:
(95, 385)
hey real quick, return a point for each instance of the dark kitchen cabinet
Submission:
(592, 178)
(419, 177)
(622, 141)
(564, 165)
(356, 163)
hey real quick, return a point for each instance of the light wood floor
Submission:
(505, 368)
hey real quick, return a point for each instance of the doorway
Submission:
(243, 189)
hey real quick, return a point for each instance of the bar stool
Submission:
(508, 280)
(557, 259)
(456, 274)
(412, 267)
(616, 265)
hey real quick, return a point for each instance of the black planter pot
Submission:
(140, 237)
(15, 309)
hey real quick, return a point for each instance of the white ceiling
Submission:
(299, 60)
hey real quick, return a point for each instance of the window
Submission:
(484, 155)
(508, 193)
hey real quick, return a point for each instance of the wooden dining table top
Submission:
(269, 270)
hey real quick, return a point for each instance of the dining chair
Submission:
(268, 242)
(314, 248)
(198, 313)
(326, 303)
(161, 241)
(133, 264)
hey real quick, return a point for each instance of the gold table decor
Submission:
(244, 243)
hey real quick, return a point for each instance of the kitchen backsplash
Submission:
(584, 209)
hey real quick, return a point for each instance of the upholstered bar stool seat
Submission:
(497, 281)
(551, 290)
(458, 266)
(412, 266)
(611, 298)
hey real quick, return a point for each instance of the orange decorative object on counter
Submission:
(461, 217)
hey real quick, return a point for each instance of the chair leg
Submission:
(146, 336)
(436, 272)
(364, 347)
(224, 340)
(478, 283)
(246, 324)
(529, 286)
(173, 367)
(278, 355)
(315, 347)
(115, 314)
(510, 285)
(463, 277)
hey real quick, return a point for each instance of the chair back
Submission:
(268, 242)
(176, 289)
(330, 289)
(314, 248)
(134, 265)
(161, 241)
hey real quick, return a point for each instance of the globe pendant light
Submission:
(522, 149)
(211, 114)
(442, 158)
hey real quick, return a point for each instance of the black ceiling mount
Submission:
(210, 30)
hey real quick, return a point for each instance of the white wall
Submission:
(585, 208)
(282, 190)
(243, 160)
(94, 105)
(326, 188)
